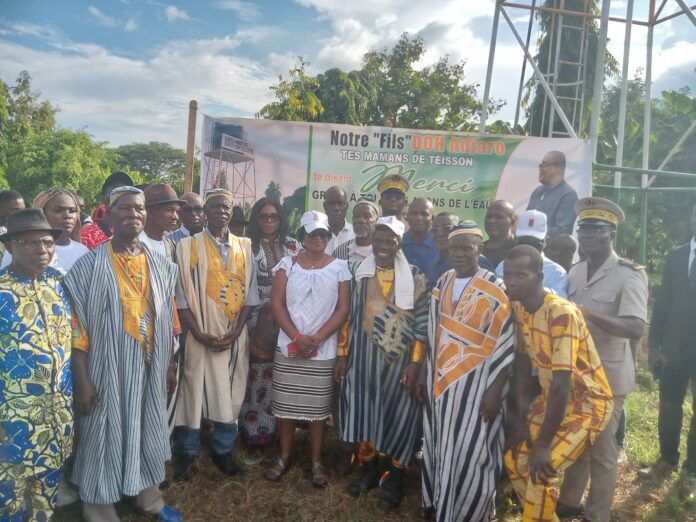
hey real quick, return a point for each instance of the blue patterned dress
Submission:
(35, 393)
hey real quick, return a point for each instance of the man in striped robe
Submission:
(465, 383)
(123, 297)
(380, 352)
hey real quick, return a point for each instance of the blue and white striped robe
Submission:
(373, 405)
(471, 343)
(124, 443)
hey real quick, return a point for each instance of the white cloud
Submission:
(245, 10)
(173, 13)
(131, 25)
(103, 19)
(123, 100)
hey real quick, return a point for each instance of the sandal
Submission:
(277, 470)
(320, 477)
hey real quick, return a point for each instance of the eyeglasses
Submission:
(442, 230)
(35, 244)
(191, 210)
(319, 234)
(269, 217)
(548, 164)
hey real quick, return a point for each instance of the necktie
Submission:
(692, 273)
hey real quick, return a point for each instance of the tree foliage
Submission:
(273, 191)
(668, 210)
(35, 155)
(157, 162)
(389, 89)
(65, 158)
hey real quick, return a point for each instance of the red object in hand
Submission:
(293, 350)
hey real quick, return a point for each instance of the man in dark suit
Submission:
(672, 347)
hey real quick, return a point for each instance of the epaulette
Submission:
(630, 264)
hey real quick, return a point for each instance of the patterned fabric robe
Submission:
(472, 342)
(35, 391)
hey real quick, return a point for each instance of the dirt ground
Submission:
(210, 496)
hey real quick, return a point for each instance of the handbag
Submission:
(263, 337)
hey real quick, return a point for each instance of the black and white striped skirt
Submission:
(302, 388)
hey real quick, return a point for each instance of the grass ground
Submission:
(212, 497)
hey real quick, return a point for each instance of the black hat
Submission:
(119, 177)
(28, 220)
(238, 216)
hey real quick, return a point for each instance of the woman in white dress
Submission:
(310, 299)
(62, 210)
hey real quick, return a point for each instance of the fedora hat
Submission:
(28, 220)
(161, 194)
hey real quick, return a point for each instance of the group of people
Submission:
(493, 357)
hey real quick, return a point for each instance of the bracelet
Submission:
(296, 337)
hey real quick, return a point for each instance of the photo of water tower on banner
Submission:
(227, 160)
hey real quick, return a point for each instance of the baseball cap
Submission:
(532, 223)
(314, 220)
(393, 223)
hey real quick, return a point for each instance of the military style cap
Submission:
(393, 181)
(598, 211)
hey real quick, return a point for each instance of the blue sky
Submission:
(125, 69)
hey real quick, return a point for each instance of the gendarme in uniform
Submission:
(617, 289)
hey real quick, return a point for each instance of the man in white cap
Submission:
(216, 293)
(379, 356)
(531, 230)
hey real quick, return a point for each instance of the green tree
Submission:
(157, 162)
(65, 158)
(273, 191)
(671, 116)
(22, 116)
(389, 89)
(294, 206)
(296, 98)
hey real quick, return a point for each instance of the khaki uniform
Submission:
(619, 288)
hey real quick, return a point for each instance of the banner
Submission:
(459, 172)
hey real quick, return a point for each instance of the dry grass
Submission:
(210, 496)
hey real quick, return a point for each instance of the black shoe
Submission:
(369, 478)
(566, 511)
(392, 489)
(225, 463)
(183, 467)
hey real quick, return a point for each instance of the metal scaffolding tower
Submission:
(228, 162)
(564, 101)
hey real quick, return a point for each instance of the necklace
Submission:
(315, 262)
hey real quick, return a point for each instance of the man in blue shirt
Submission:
(531, 230)
(555, 197)
(418, 244)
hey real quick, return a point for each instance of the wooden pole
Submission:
(190, 146)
